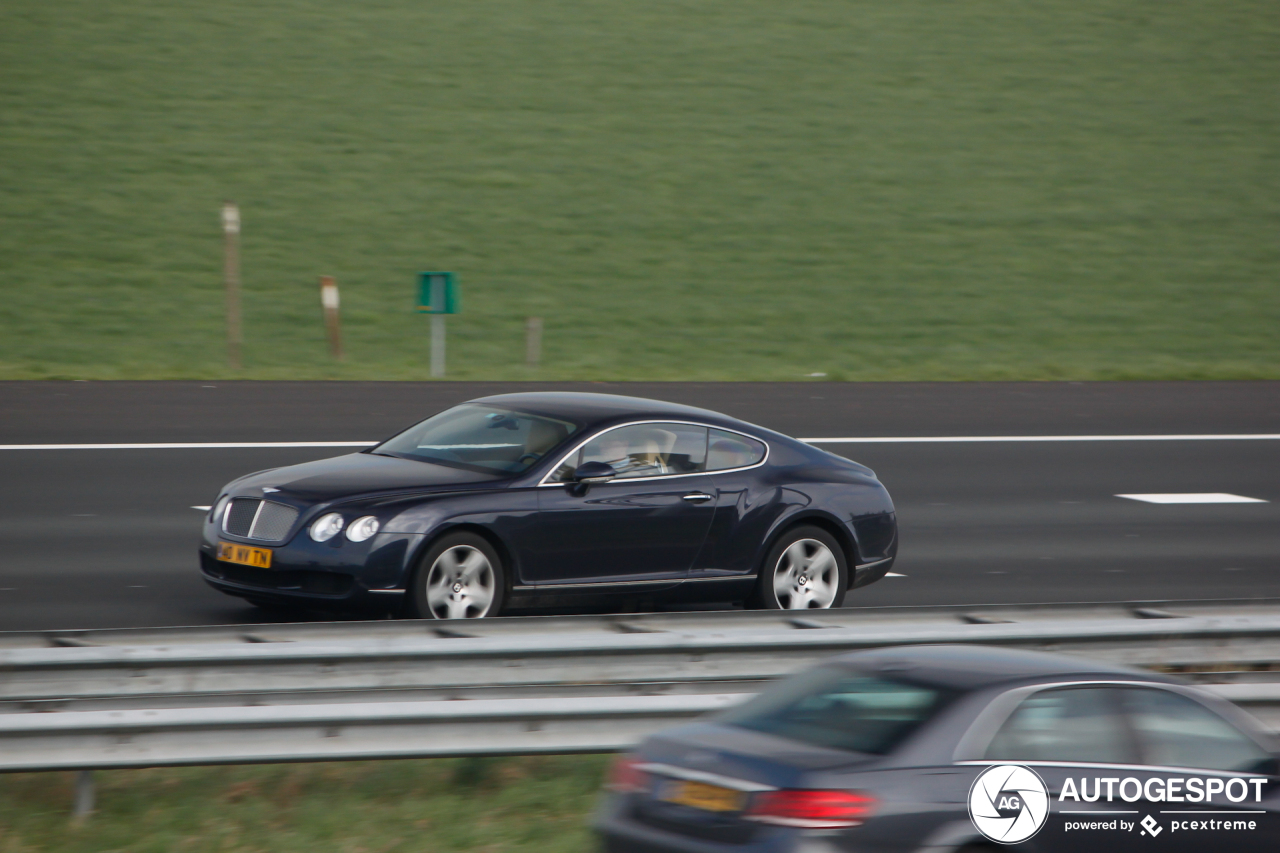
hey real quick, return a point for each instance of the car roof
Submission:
(976, 667)
(588, 409)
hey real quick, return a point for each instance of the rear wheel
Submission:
(804, 570)
(461, 577)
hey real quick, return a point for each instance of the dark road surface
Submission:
(106, 538)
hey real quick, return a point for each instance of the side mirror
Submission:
(593, 473)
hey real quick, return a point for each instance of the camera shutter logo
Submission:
(1008, 803)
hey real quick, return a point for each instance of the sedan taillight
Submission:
(626, 777)
(810, 809)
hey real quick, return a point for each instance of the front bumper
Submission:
(372, 573)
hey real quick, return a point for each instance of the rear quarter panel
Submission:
(796, 483)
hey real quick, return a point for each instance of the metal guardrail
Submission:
(330, 732)
(731, 647)
(536, 684)
(327, 732)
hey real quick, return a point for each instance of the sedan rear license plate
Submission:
(245, 555)
(700, 795)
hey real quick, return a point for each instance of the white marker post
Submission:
(437, 346)
(533, 341)
(231, 275)
(329, 302)
(437, 328)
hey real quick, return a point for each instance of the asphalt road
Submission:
(106, 538)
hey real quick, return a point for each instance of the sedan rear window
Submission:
(833, 707)
(480, 438)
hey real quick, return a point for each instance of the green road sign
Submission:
(437, 293)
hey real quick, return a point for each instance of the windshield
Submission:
(480, 438)
(834, 707)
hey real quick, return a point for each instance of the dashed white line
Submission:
(894, 575)
(1194, 498)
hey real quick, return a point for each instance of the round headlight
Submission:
(326, 527)
(362, 528)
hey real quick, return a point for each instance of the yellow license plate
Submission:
(699, 795)
(243, 554)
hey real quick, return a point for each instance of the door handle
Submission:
(697, 498)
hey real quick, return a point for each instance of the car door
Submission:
(644, 527)
(1070, 733)
(1187, 740)
(742, 519)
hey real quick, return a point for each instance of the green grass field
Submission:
(722, 189)
(526, 805)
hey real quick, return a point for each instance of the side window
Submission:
(643, 450)
(1176, 731)
(1076, 724)
(727, 450)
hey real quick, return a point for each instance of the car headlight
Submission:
(362, 528)
(326, 527)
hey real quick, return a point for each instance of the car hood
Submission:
(360, 474)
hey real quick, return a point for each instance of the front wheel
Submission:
(804, 570)
(461, 577)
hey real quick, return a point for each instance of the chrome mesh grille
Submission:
(240, 516)
(274, 521)
(258, 519)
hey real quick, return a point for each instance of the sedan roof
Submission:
(975, 667)
(588, 409)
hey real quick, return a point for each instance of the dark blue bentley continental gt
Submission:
(556, 500)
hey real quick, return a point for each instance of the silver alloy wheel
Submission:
(460, 584)
(806, 576)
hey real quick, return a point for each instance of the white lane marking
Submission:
(203, 508)
(984, 438)
(188, 445)
(1194, 498)
(894, 575)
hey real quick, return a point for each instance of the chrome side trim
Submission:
(387, 591)
(565, 458)
(873, 564)
(702, 776)
(590, 584)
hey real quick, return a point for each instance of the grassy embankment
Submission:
(716, 190)
(527, 805)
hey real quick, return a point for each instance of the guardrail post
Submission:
(84, 795)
